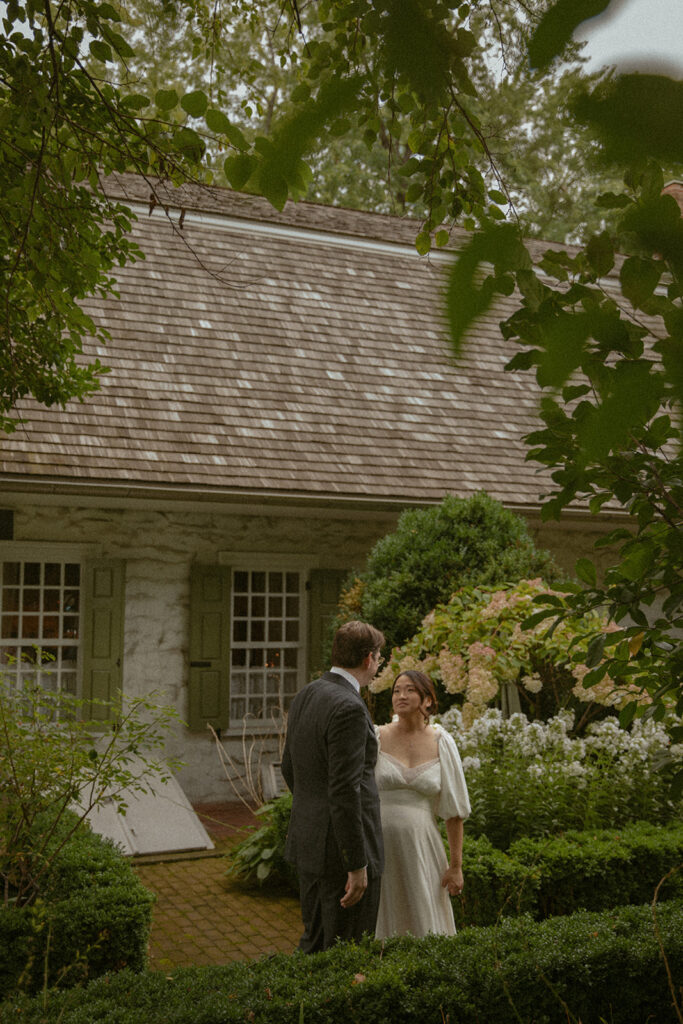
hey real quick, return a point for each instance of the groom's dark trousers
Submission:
(329, 764)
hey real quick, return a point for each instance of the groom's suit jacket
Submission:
(329, 764)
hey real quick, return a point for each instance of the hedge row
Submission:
(591, 870)
(587, 966)
(94, 916)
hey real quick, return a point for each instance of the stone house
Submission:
(280, 389)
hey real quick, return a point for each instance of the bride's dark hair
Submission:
(423, 685)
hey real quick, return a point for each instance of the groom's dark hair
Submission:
(353, 642)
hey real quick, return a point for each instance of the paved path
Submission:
(203, 917)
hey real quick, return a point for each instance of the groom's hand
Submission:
(356, 884)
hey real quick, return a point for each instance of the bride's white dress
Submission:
(412, 900)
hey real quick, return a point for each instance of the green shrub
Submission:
(435, 551)
(600, 967)
(598, 869)
(93, 917)
(495, 884)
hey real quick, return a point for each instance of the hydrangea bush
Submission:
(531, 778)
(475, 645)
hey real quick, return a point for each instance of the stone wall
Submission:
(159, 547)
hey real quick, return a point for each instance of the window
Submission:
(40, 623)
(266, 642)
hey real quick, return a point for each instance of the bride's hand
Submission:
(453, 881)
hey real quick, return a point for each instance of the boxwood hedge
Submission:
(592, 967)
(93, 917)
(591, 870)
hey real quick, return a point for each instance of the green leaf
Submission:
(216, 121)
(194, 103)
(556, 27)
(423, 243)
(166, 99)
(613, 200)
(136, 101)
(600, 253)
(636, 116)
(627, 714)
(639, 277)
(501, 245)
(636, 564)
(101, 51)
(595, 650)
(239, 169)
(273, 185)
(585, 570)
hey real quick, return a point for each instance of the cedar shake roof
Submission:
(301, 353)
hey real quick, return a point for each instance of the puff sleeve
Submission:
(454, 801)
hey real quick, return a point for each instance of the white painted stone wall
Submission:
(159, 547)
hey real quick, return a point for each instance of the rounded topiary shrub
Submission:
(435, 551)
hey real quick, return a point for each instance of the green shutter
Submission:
(324, 588)
(102, 614)
(209, 696)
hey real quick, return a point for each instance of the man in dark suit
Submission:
(335, 834)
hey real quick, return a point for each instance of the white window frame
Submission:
(49, 674)
(264, 562)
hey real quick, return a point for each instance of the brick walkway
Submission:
(203, 917)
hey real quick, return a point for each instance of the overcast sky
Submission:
(643, 34)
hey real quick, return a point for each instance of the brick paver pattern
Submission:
(203, 917)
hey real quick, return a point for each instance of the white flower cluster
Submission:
(548, 745)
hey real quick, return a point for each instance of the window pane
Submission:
(51, 626)
(10, 626)
(72, 575)
(241, 582)
(265, 614)
(292, 630)
(31, 600)
(274, 631)
(51, 600)
(258, 632)
(31, 574)
(70, 626)
(53, 574)
(10, 574)
(275, 582)
(9, 602)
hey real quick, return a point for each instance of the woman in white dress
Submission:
(419, 777)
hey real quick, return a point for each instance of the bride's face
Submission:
(406, 699)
